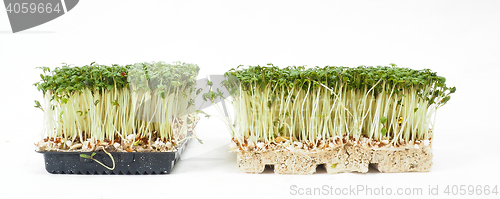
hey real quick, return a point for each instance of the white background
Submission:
(459, 40)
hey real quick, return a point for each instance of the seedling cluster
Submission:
(146, 106)
(383, 103)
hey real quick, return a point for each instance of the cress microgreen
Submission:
(308, 104)
(105, 102)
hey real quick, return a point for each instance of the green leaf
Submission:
(96, 102)
(383, 131)
(383, 120)
(198, 91)
(446, 99)
(453, 89)
(38, 105)
(201, 112)
(85, 156)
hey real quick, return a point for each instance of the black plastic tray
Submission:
(125, 162)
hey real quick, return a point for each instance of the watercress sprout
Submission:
(382, 102)
(100, 102)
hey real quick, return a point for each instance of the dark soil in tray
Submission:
(125, 162)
